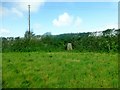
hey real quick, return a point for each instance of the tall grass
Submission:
(0, 70)
(60, 70)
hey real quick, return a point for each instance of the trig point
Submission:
(69, 46)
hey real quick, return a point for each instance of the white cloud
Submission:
(63, 20)
(17, 12)
(78, 21)
(105, 27)
(3, 11)
(66, 20)
(4, 32)
(18, 8)
(11, 11)
(34, 6)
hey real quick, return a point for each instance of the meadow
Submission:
(59, 70)
(0, 70)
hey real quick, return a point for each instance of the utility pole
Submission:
(29, 21)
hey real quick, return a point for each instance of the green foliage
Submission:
(29, 35)
(89, 42)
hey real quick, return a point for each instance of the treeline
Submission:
(104, 41)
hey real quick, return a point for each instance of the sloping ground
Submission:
(60, 70)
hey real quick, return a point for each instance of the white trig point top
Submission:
(69, 46)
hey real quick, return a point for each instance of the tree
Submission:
(47, 34)
(29, 35)
(108, 32)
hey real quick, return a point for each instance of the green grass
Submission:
(0, 70)
(59, 70)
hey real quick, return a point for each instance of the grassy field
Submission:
(0, 70)
(59, 70)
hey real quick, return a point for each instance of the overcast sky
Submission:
(57, 17)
